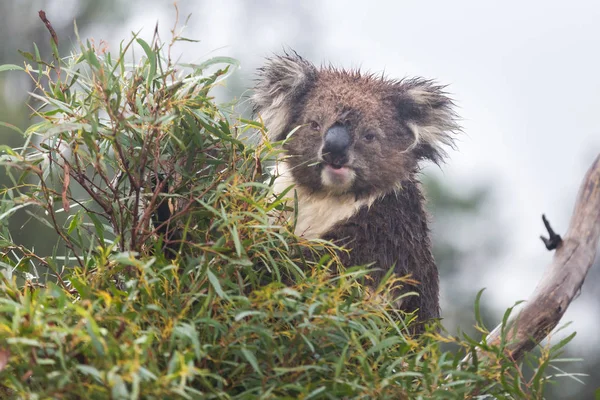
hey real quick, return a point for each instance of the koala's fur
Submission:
(353, 159)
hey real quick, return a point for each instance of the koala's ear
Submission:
(282, 82)
(428, 111)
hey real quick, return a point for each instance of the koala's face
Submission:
(350, 137)
(351, 133)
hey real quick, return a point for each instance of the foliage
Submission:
(213, 301)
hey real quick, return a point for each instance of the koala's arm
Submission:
(393, 232)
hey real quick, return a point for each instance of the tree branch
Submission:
(573, 258)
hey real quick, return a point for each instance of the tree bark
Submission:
(563, 279)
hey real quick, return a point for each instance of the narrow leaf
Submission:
(10, 67)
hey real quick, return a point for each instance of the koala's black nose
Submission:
(337, 142)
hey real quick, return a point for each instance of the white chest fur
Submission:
(317, 213)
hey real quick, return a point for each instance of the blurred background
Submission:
(525, 78)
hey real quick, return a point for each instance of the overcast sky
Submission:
(526, 76)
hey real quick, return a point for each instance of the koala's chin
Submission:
(337, 180)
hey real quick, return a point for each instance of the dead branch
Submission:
(573, 258)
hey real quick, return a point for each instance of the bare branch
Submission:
(573, 258)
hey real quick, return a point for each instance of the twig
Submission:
(553, 240)
(46, 22)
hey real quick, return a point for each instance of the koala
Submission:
(353, 155)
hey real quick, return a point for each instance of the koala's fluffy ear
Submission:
(282, 82)
(429, 113)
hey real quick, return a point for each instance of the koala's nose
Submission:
(336, 144)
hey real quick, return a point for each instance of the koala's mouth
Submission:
(338, 178)
(337, 169)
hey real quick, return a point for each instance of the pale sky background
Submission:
(525, 74)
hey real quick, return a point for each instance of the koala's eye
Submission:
(369, 137)
(314, 125)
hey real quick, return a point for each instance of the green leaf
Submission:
(214, 281)
(38, 60)
(14, 209)
(245, 314)
(213, 61)
(10, 126)
(10, 67)
(90, 370)
(99, 227)
(184, 39)
(316, 392)
(478, 318)
(83, 289)
(251, 358)
(236, 241)
(75, 222)
(384, 344)
(151, 59)
(24, 341)
(562, 343)
(27, 55)
(91, 58)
